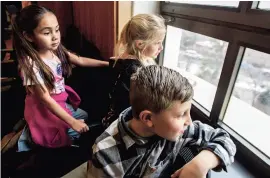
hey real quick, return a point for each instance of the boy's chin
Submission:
(174, 139)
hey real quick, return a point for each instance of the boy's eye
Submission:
(47, 33)
(181, 115)
(184, 114)
(57, 30)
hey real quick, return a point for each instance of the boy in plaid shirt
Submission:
(149, 137)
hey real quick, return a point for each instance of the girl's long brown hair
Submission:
(26, 21)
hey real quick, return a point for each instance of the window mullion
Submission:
(244, 6)
(228, 74)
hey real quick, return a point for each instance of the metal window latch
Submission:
(169, 19)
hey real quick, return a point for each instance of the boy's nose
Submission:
(188, 120)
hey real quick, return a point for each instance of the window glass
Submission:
(264, 5)
(248, 111)
(199, 58)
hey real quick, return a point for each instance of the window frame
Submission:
(242, 27)
(246, 14)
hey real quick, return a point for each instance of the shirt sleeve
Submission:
(98, 167)
(106, 158)
(216, 140)
(94, 172)
(26, 79)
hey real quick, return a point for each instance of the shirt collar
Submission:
(129, 137)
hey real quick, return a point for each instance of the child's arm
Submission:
(96, 168)
(86, 62)
(93, 171)
(199, 166)
(54, 107)
(218, 149)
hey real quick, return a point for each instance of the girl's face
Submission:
(153, 49)
(47, 34)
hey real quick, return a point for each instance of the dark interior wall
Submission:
(63, 12)
(96, 21)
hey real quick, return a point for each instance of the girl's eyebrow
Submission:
(48, 28)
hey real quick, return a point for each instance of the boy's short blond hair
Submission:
(154, 88)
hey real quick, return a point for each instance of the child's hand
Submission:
(79, 126)
(190, 170)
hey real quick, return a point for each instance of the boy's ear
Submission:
(28, 37)
(139, 44)
(146, 117)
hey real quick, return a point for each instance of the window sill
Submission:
(236, 170)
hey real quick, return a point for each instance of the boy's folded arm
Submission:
(215, 140)
(99, 168)
(94, 172)
(96, 169)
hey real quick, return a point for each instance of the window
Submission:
(211, 3)
(199, 58)
(225, 54)
(264, 5)
(248, 111)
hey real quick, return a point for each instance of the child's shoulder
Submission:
(109, 136)
(128, 65)
(104, 141)
(126, 62)
(131, 62)
(197, 127)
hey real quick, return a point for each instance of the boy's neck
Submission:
(139, 128)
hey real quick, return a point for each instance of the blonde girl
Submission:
(140, 43)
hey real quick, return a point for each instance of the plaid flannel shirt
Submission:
(119, 152)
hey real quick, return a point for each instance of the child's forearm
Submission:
(56, 109)
(198, 166)
(206, 160)
(89, 62)
(86, 62)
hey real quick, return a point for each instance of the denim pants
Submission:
(79, 114)
(25, 142)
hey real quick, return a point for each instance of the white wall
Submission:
(127, 9)
(124, 14)
(149, 7)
